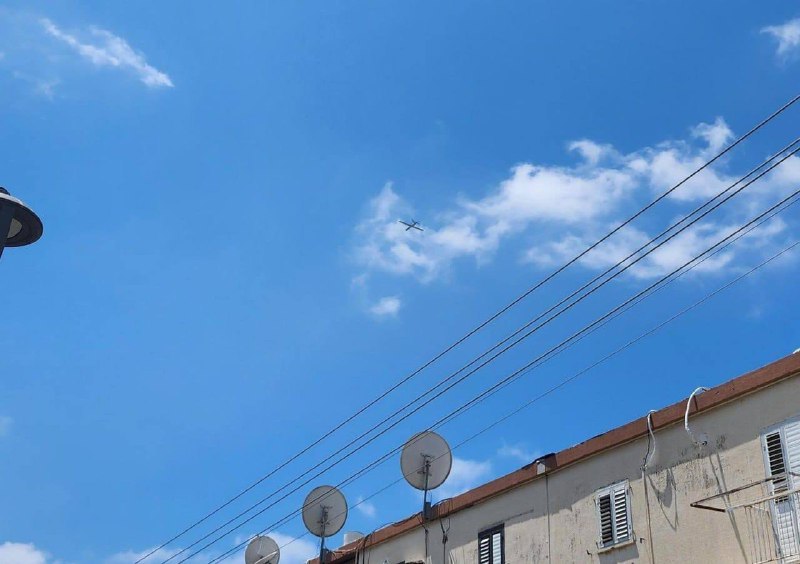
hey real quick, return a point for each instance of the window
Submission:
(781, 445)
(614, 515)
(491, 546)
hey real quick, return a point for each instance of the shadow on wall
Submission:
(665, 496)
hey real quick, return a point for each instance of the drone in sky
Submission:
(413, 225)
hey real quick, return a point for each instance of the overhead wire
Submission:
(475, 330)
(518, 373)
(565, 381)
(626, 267)
(527, 325)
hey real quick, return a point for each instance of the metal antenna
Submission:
(323, 522)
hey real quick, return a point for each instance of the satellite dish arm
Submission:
(324, 522)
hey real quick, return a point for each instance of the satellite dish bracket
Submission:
(323, 521)
(426, 470)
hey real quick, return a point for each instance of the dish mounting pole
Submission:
(323, 522)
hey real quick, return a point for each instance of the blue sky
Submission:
(222, 277)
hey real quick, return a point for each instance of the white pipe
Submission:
(651, 445)
(702, 438)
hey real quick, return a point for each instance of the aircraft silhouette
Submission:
(413, 225)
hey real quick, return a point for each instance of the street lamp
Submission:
(19, 226)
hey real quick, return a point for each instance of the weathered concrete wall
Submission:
(553, 518)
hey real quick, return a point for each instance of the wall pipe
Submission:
(702, 438)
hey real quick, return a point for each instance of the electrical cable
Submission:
(566, 381)
(476, 329)
(550, 352)
(526, 335)
(629, 265)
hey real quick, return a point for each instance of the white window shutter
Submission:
(613, 512)
(497, 548)
(604, 506)
(776, 463)
(490, 546)
(791, 433)
(782, 454)
(621, 525)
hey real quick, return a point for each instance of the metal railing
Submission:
(768, 510)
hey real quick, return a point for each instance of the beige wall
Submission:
(680, 474)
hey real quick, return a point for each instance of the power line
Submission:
(551, 352)
(476, 329)
(554, 388)
(462, 378)
(588, 368)
(566, 381)
(517, 332)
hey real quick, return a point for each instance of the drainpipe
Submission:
(543, 466)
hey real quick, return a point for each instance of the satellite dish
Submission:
(324, 514)
(426, 461)
(262, 550)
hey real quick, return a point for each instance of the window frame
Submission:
(780, 429)
(489, 534)
(611, 491)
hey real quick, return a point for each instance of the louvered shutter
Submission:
(497, 548)
(490, 547)
(791, 433)
(606, 521)
(782, 454)
(621, 525)
(614, 514)
(484, 550)
(773, 445)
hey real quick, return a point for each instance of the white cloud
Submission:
(41, 86)
(663, 260)
(518, 452)
(5, 425)
(21, 553)
(386, 307)
(558, 210)
(109, 50)
(131, 556)
(787, 35)
(465, 475)
(294, 550)
(590, 151)
(366, 508)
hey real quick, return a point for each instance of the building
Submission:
(723, 492)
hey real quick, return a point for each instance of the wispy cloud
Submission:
(518, 452)
(367, 508)
(553, 211)
(294, 550)
(387, 306)
(105, 49)
(787, 36)
(132, 556)
(5, 425)
(465, 475)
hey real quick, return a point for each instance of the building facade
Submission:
(648, 491)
